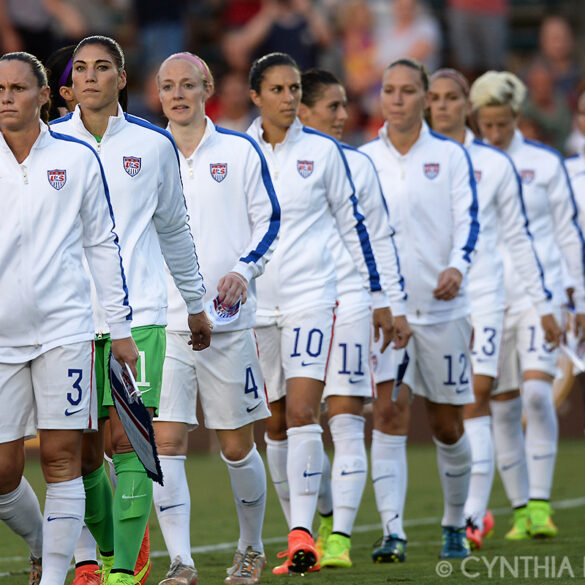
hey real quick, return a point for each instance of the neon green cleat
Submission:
(519, 530)
(337, 552)
(325, 528)
(107, 565)
(120, 579)
(540, 524)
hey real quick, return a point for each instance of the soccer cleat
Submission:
(87, 574)
(391, 549)
(474, 535)
(325, 528)
(120, 579)
(540, 524)
(107, 565)
(238, 556)
(36, 570)
(180, 574)
(455, 543)
(519, 530)
(488, 524)
(337, 552)
(285, 568)
(142, 568)
(248, 570)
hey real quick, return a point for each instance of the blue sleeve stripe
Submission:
(392, 232)
(111, 210)
(62, 119)
(274, 225)
(145, 124)
(360, 226)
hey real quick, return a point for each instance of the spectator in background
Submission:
(234, 109)
(291, 26)
(545, 108)
(576, 142)
(478, 34)
(412, 33)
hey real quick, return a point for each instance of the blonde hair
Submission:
(498, 88)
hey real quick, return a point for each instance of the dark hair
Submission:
(417, 66)
(261, 65)
(314, 82)
(59, 67)
(116, 53)
(38, 71)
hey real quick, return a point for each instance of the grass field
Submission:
(214, 532)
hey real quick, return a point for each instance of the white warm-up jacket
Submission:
(502, 218)
(431, 197)
(54, 206)
(234, 217)
(142, 169)
(313, 183)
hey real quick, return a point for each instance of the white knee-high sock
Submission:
(172, 503)
(86, 548)
(390, 479)
(510, 450)
(304, 468)
(325, 500)
(542, 436)
(350, 469)
(455, 471)
(276, 456)
(64, 512)
(21, 511)
(479, 432)
(248, 478)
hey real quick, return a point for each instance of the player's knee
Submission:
(537, 402)
(300, 415)
(235, 452)
(448, 434)
(391, 418)
(12, 470)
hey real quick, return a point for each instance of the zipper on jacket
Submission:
(190, 165)
(24, 174)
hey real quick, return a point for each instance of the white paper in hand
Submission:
(220, 313)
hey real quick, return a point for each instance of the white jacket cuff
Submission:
(120, 330)
(398, 308)
(245, 270)
(194, 307)
(380, 300)
(460, 264)
(544, 308)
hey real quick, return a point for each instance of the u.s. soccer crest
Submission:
(527, 176)
(431, 170)
(132, 165)
(57, 178)
(477, 175)
(218, 171)
(305, 168)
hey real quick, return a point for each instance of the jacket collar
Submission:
(292, 134)
(42, 140)
(422, 137)
(208, 136)
(115, 123)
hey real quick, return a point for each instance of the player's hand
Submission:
(200, 327)
(126, 352)
(552, 330)
(580, 327)
(448, 284)
(402, 332)
(231, 287)
(383, 321)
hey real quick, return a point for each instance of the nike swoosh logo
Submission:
(305, 474)
(481, 461)
(510, 465)
(70, 412)
(351, 381)
(539, 457)
(51, 518)
(305, 364)
(163, 508)
(457, 474)
(343, 472)
(252, 501)
(481, 360)
(250, 409)
(460, 390)
(125, 497)
(279, 482)
(383, 477)
(543, 358)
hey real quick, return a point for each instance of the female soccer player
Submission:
(141, 166)
(59, 67)
(349, 379)
(526, 465)
(428, 184)
(502, 217)
(297, 292)
(55, 206)
(233, 209)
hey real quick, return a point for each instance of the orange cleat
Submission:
(87, 574)
(301, 556)
(488, 524)
(142, 568)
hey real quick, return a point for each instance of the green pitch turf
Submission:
(214, 532)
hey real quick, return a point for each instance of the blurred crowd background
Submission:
(543, 41)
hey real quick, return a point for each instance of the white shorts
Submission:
(524, 348)
(384, 365)
(295, 346)
(439, 366)
(349, 372)
(226, 375)
(52, 391)
(488, 329)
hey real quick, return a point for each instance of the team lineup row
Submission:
(293, 236)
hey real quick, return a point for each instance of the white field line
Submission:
(230, 546)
